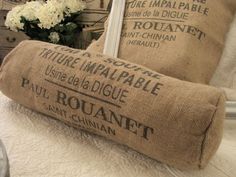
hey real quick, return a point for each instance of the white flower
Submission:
(73, 6)
(13, 20)
(54, 37)
(30, 9)
(50, 14)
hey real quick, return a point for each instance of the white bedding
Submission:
(38, 146)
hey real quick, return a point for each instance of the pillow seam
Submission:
(203, 146)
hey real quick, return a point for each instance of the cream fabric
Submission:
(41, 147)
(225, 75)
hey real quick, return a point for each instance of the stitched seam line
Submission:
(206, 133)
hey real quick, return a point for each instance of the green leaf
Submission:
(68, 39)
(43, 35)
(59, 28)
(71, 27)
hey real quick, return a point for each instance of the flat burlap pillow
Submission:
(182, 39)
(176, 122)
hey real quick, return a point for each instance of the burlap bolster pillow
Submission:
(176, 122)
(182, 39)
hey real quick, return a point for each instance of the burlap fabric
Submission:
(182, 39)
(176, 122)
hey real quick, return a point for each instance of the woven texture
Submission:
(176, 122)
(41, 147)
(225, 75)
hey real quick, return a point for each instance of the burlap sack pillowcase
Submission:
(182, 39)
(176, 122)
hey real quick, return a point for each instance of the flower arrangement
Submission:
(51, 21)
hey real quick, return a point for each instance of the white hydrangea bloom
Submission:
(50, 14)
(54, 37)
(13, 19)
(73, 6)
(30, 9)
